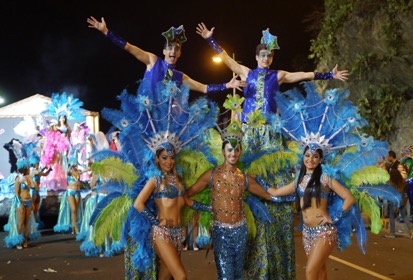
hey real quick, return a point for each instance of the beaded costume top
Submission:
(227, 195)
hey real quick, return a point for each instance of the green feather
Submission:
(115, 169)
(369, 207)
(368, 175)
(111, 220)
(215, 144)
(272, 163)
(194, 163)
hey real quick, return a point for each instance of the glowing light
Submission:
(2, 100)
(216, 59)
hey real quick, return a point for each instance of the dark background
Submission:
(47, 47)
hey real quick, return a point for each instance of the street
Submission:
(57, 256)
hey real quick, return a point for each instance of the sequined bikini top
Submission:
(171, 191)
(325, 189)
(71, 179)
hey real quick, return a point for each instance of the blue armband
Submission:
(216, 87)
(201, 206)
(214, 45)
(287, 198)
(339, 216)
(323, 76)
(149, 216)
(115, 39)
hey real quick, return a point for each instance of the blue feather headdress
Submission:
(65, 105)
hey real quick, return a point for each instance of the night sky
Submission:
(47, 47)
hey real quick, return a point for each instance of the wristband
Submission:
(149, 216)
(323, 76)
(115, 39)
(287, 198)
(201, 206)
(214, 45)
(216, 87)
(339, 216)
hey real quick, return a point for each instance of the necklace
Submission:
(169, 177)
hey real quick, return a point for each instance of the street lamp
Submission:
(217, 59)
(1, 100)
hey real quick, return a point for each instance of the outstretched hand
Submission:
(341, 75)
(99, 25)
(235, 83)
(203, 30)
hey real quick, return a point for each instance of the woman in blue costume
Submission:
(36, 174)
(273, 249)
(70, 210)
(313, 188)
(158, 69)
(167, 233)
(22, 225)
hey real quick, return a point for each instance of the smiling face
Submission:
(231, 154)
(311, 160)
(164, 161)
(172, 53)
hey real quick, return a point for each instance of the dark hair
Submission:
(172, 42)
(261, 47)
(397, 181)
(392, 154)
(313, 186)
(229, 141)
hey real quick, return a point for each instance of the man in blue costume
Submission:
(271, 255)
(227, 185)
(158, 70)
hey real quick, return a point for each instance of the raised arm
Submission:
(200, 87)
(147, 58)
(293, 77)
(235, 67)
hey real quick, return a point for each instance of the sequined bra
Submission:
(325, 189)
(71, 179)
(171, 191)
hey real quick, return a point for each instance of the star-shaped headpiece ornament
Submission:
(269, 40)
(175, 35)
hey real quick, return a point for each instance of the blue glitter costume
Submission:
(259, 94)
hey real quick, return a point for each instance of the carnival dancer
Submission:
(36, 174)
(274, 246)
(227, 187)
(327, 128)
(71, 210)
(158, 69)
(319, 231)
(21, 223)
(56, 147)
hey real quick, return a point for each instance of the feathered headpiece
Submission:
(232, 133)
(65, 105)
(269, 40)
(175, 35)
(161, 120)
(330, 123)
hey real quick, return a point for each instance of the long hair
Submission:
(313, 186)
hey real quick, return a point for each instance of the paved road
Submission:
(385, 259)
